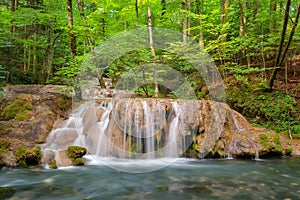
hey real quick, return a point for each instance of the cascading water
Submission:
(142, 128)
(171, 147)
(124, 128)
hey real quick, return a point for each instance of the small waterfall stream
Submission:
(142, 128)
(124, 128)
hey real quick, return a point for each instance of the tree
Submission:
(282, 55)
(71, 33)
(88, 37)
(153, 53)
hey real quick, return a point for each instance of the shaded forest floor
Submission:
(278, 110)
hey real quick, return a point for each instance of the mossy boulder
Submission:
(18, 108)
(288, 151)
(75, 154)
(271, 143)
(52, 164)
(26, 157)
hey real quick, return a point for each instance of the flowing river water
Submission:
(183, 179)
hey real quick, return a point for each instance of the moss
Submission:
(26, 156)
(18, 109)
(75, 153)
(63, 103)
(4, 144)
(271, 142)
(52, 164)
(162, 187)
(78, 162)
(288, 151)
(6, 192)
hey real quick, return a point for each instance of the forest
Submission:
(255, 45)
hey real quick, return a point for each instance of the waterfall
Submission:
(142, 128)
(171, 147)
(149, 130)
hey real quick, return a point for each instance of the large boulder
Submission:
(27, 115)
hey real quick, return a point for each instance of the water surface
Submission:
(184, 179)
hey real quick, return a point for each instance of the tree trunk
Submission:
(14, 7)
(164, 9)
(280, 59)
(88, 37)
(48, 58)
(243, 29)
(137, 13)
(199, 12)
(153, 53)
(224, 11)
(71, 34)
(186, 21)
(222, 8)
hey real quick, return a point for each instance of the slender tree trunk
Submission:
(280, 59)
(164, 9)
(224, 11)
(153, 53)
(243, 29)
(89, 40)
(34, 61)
(71, 34)
(256, 6)
(243, 20)
(222, 8)
(14, 7)
(137, 13)
(48, 58)
(186, 21)
(199, 12)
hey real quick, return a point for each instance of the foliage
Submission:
(242, 49)
(271, 142)
(274, 110)
(3, 75)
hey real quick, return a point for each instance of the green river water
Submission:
(183, 179)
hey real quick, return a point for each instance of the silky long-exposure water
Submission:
(184, 179)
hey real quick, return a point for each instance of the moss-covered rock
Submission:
(26, 157)
(271, 142)
(52, 164)
(6, 192)
(18, 108)
(162, 187)
(78, 162)
(75, 154)
(288, 151)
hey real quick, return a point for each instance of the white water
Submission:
(125, 128)
(171, 147)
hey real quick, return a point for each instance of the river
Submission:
(183, 179)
